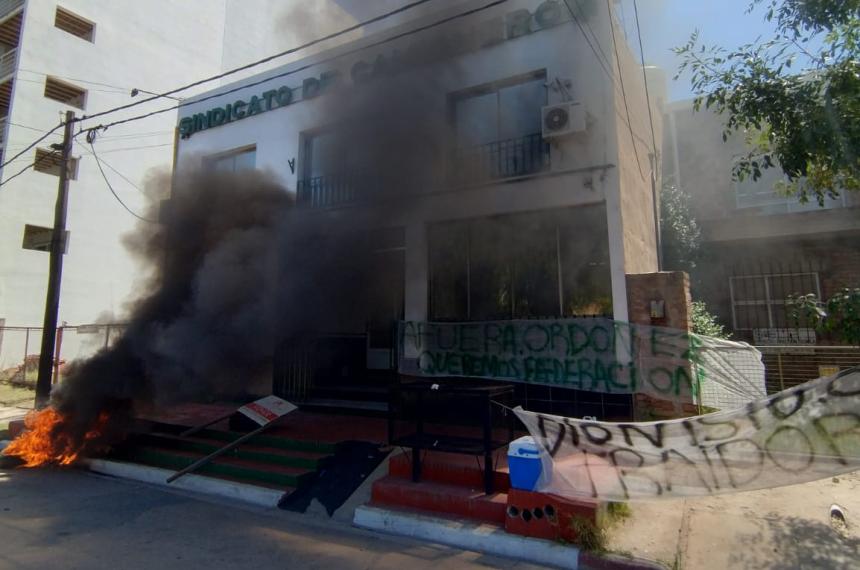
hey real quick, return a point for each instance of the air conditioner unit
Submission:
(563, 119)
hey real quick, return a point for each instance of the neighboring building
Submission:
(429, 159)
(760, 246)
(87, 56)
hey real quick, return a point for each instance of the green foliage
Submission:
(704, 323)
(589, 536)
(839, 315)
(805, 121)
(618, 511)
(680, 234)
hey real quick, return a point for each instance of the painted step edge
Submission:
(277, 456)
(486, 538)
(165, 458)
(490, 539)
(275, 441)
(243, 492)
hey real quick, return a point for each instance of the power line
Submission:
(115, 195)
(645, 80)
(264, 60)
(32, 144)
(127, 90)
(127, 136)
(225, 74)
(623, 92)
(306, 66)
(118, 173)
(19, 173)
(601, 57)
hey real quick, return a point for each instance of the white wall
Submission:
(154, 45)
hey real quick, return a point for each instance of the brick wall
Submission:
(673, 288)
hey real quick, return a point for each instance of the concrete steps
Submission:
(269, 461)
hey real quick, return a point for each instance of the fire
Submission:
(45, 441)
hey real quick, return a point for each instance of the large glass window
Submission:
(522, 266)
(244, 159)
(498, 129)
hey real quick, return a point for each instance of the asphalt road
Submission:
(73, 519)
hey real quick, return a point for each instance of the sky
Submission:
(665, 24)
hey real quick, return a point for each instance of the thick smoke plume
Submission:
(243, 271)
(207, 324)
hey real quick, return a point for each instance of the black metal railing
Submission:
(327, 191)
(509, 158)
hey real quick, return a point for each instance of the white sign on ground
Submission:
(266, 410)
(808, 432)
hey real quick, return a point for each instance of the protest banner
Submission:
(808, 432)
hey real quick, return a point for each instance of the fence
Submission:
(20, 348)
(787, 366)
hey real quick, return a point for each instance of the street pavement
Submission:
(782, 528)
(66, 518)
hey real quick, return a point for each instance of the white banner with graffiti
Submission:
(595, 354)
(808, 432)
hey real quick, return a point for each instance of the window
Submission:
(243, 159)
(50, 163)
(74, 24)
(763, 195)
(521, 266)
(498, 129)
(65, 93)
(759, 303)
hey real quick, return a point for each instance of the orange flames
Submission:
(44, 440)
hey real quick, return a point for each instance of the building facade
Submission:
(481, 163)
(760, 246)
(88, 56)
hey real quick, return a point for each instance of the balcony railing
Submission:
(502, 159)
(327, 191)
(2, 131)
(7, 63)
(509, 158)
(9, 6)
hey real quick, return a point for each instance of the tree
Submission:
(805, 121)
(705, 323)
(682, 242)
(680, 235)
(840, 314)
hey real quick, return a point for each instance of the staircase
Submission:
(451, 485)
(269, 461)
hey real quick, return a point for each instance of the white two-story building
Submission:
(476, 163)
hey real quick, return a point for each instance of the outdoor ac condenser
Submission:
(563, 119)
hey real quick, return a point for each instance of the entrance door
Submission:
(385, 305)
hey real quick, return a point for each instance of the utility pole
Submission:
(55, 271)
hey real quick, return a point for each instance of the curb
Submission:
(259, 496)
(490, 539)
(243, 492)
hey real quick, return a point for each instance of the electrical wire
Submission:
(299, 69)
(19, 173)
(267, 59)
(645, 79)
(32, 144)
(115, 195)
(623, 92)
(222, 75)
(118, 173)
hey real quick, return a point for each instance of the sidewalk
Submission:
(788, 527)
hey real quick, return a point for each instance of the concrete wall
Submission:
(630, 207)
